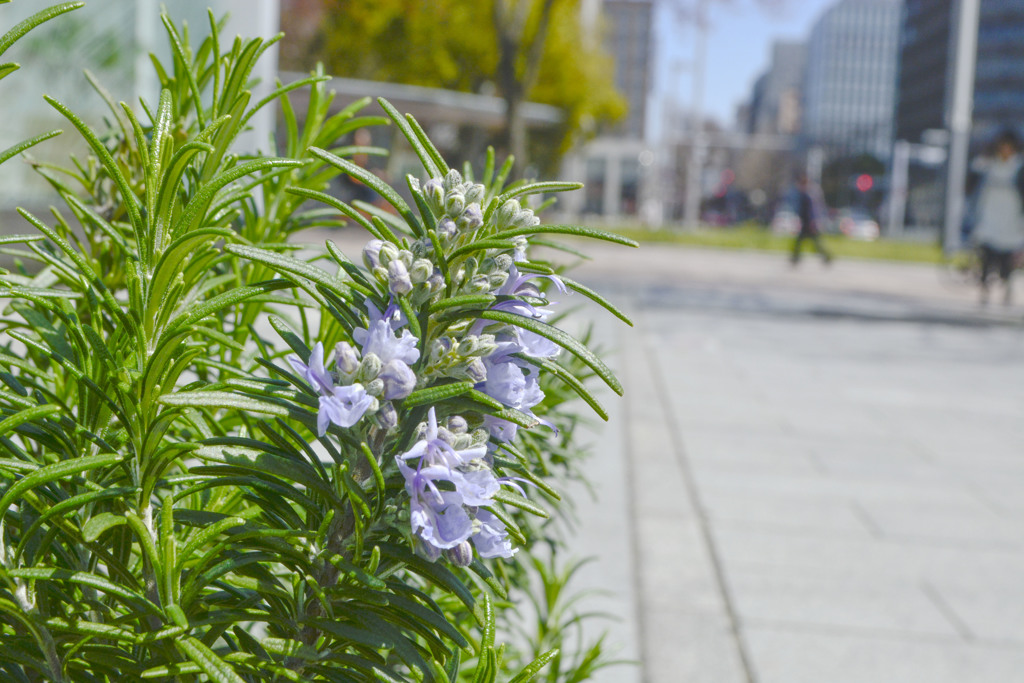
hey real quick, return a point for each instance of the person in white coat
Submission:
(999, 226)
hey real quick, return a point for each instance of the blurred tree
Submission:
(524, 49)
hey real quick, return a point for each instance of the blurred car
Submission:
(785, 222)
(859, 226)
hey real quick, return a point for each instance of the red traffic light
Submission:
(865, 182)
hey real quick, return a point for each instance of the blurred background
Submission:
(815, 474)
(676, 113)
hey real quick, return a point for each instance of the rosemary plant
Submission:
(227, 459)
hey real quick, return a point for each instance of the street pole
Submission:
(698, 143)
(898, 177)
(815, 164)
(960, 118)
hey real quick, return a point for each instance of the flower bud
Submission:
(457, 424)
(486, 345)
(497, 280)
(475, 193)
(398, 378)
(433, 191)
(435, 282)
(479, 285)
(452, 180)
(375, 387)
(507, 213)
(520, 251)
(461, 555)
(472, 217)
(387, 253)
(446, 228)
(502, 262)
(346, 358)
(420, 271)
(428, 551)
(387, 416)
(454, 203)
(369, 368)
(476, 371)
(371, 253)
(445, 435)
(524, 218)
(467, 346)
(398, 278)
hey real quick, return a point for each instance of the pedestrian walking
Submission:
(999, 226)
(810, 208)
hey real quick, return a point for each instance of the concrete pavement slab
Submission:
(814, 656)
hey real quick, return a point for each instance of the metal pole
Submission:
(698, 142)
(960, 119)
(898, 187)
(815, 163)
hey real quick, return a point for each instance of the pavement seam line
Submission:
(947, 611)
(634, 536)
(687, 473)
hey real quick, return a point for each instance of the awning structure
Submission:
(432, 105)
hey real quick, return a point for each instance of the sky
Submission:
(740, 36)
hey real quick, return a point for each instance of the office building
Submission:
(775, 105)
(925, 67)
(850, 83)
(629, 39)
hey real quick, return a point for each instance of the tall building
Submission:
(925, 67)
(775, 104)
(850, 84)
(616, 165)
(629, 26)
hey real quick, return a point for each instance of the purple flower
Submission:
(434, 451)
(520, 285)
(381, 339)
(505, 382)
(508, 383)
(500, 429)
(437, 517)
(513, 383)
(477, 487)
(443, 519)
(343, 407)
(315, 373)
(491, 540)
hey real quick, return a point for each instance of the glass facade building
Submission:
(926, 47)
(629, 39)
(775, 103)
(850, 83)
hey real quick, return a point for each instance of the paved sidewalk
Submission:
(820, 498)
(749, 279)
